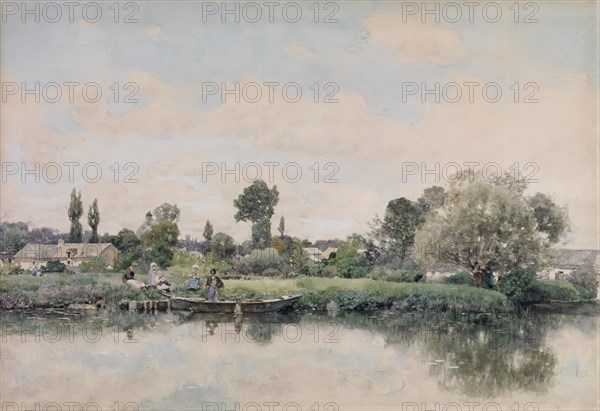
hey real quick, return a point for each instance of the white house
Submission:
(71, 254)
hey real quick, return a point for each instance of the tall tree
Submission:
(223, 245)
(162, 231)
(43, 235)
(552, 220)
(486, 227)
(160, 240)
(14, 240)
(129, 246)
(93, 220)
(256, 204)
(261, 233)
(208, 231)
(281, 227)
(432, 199)
(75, 212)
(396, 232)
(169, 211)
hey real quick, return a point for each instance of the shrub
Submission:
(517, 283)
(160, 254)
(584, 292)
(260, 260)
(11, 269)
(397, 276)
(94, 265)
(54, 266)
(329, 271)
(586, 277)
(462, 277)
(552, 290)
(356, 272)
(271, 272)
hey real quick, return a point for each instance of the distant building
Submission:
(71, 254)
(328, 251)
(313, 253)
(567, 261)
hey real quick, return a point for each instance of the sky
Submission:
(343, 105)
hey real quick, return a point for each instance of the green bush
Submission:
(94, 265)
(517, 283)
(123, 261)
(397, 276)
(584, 292)
(552, 290)
(11, 269)
(260, 260)
(160, 254)
(586, 277)
(271, 272)
(54, 266)
(462, 277)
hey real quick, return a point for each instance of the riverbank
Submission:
(98, 290)
(107, 290)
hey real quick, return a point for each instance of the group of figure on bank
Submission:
(157, 280)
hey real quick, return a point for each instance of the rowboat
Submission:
(201, 305)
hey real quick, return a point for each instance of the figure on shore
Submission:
(129, 277)
(162, 284)
(193, 283)
(213, 283)
(153, 274)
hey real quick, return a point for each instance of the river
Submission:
(63, 360)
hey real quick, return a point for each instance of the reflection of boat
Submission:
(201, 305)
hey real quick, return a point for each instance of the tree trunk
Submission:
(480, 274)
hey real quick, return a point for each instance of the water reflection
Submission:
(388, 358)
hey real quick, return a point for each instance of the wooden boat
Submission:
(201, 305)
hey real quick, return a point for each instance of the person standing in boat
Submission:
(213, 283)
(153, 274)
(193, 283)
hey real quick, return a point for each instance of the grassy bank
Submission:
(60, 290)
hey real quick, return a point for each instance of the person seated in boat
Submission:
(193, 283)
(129, 277)
(213, 283)
(162, 283)
(153, 274)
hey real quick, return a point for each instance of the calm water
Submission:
(129, 361)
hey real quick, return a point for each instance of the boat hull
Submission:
(248, 306)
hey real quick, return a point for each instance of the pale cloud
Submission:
(296, 50)
(154, 32)
(414, 41)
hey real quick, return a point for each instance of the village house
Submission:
(315, 254)
(567, 261)
(70, 254)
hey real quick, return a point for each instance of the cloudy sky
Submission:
(188, 94)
